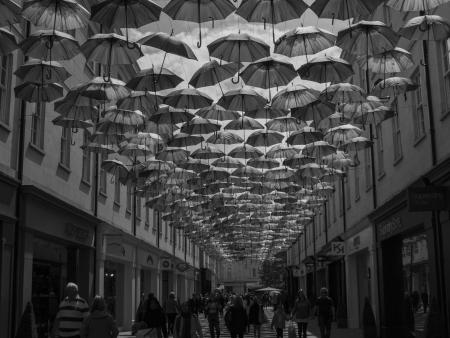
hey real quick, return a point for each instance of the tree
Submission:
(273, 270)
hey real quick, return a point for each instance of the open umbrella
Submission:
(268, 73)
(264, 138)
(238, 48)
(9, 12)
(426, 27)
(304, 41)
(61, 15)
(271, 11)
(140, 100)
(188, 98)
(344, 9)
(169, 44)
(267, 112)
(325, 69)
(246, 152)
(207, 153)
(396, 60)
(42, 71)
(243, 123)
(314, 111)
(199, 125)
(227, 162)
(125, 14)
(101, 89)
(304, 136)
(184, 140)
(295, 96)
(242, 99)
(38, 92)
(50, 45)
(199, 11)
(394, 86)
(263, 163)
(281, 151)
(285, 124)
(154, 79)
(414, 5)
(212, 73)
(111, 49)
(8, 42)
(132, 118)
(342, 93)
(216, 112)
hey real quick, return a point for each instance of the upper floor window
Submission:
(396, 135)
(417, 108)
(356, 173)
(86, 162)
(117, 187)
(368, 168)
(138, 207)
(446, 61)
(5, 80)
(128, 204)
(38, 125)
(66, 136)
(380, 149)
(103, 178)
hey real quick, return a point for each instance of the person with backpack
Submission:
(325, 313)
(279, 321)
(172, 309)
(212, 310)
(187, 324)
(154, 316)
(301, 313)
(256, 317)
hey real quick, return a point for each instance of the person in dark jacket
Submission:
(99, 323)
(154, 316)
(172, 309)
(236, 318)
(187, 324)
(324, 312)
(256, 317)
(301, 313)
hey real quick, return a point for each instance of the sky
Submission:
(188, 32)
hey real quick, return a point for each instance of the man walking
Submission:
(325, 313)
(71, 313)
(212, 310)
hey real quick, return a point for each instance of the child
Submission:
(279, 321)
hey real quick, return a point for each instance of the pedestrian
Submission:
(425, 301)
(256, 317)
(71, 313)
(415, 299)
(154, 317)
(99, 323)
(279, 321)
(247, 303)
(325, 313)
(187, 324)
(301, 313)
(172, 309)
(212, 310)
(236, 318)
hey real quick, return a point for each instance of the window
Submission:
(348, 198)
(66, 136)
(147, 218)
(86, 160)
(102, 185)
(5, 80)
(356, 173)
(368, 168)
(396, 135)
(341, 200)
(166, 231)
(446, 60)
(138, 207)
(38, 126)
(128, 205)
(155, 222)
(254, 272)
(117, 187)
(417, 108)
(380, 150)
(333, 205)
(158, 224)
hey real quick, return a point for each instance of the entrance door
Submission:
(110, 284)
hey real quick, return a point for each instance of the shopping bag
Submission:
(291, 330)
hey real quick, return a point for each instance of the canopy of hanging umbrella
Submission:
(168, 44)
(394, 86)
(246, 152)
(325, 68)
(216, 112)
(101, 89)
(304, 41)
(264, 138)
(242, 99)
(266, 112)
(9, 12)
(188, 98)
(224, 137)
(243, 123)
(38, 92)
(426, 27)
(144, 101)
(396, 60)
(154, 79)
(212, 73)
(414, 5)
(8, 42)
(344, 9)
(199, 125)
(295, 96)
(315, 111)
(285, 124)
(42, 71)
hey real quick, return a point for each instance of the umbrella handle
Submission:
(107, 78)
(422, 63)
(212, 19)
(49, 43)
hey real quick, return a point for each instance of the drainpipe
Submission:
(315, 257)
(14, 291)
(344, 207)
(325, 212)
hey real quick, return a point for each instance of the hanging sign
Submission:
(428, 198)
(337, 249)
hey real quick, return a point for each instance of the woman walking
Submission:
(154, 317)
(171, 308)
(99, 323)
(256, 317)
(236, 318)
(187, 324)
(301, 312)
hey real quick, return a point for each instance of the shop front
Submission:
(147, 262)
(58, 247)
(360, 258)
(408, 272)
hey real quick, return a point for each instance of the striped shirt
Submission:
(71, 314)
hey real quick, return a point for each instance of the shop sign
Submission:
(182, 267)
(76, 233)
(166, 264)
(428, 198)
(389, 227)
(337, 249)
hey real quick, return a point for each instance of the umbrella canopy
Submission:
(343, 93)
(264, 138)
(314, 111)
(224, 137)
(396, 60)
(188, 98)
(154, 79)
(304, 41)
(216, 112)
(71, 123)
(199, 125)
(243, 123)
(63, 46)
(285, 124)
(304, 136)
(281, 151)
(8, 42)
(184, 140)
(212, 73)
(295, 96)
(42, 71)
(9, 12)
(102, 89)
(61, 15)
(414, 5)
(38, 92)
(263, 163)
(207, 153)
(140, 100)
(242, 99)
(266, 112)
(325, 68)
(227, 162)
(124, 117)
(246, 152)
(394, 86)
(271, 11)
(171, 116)
(426, 27)
(168, 44)
(199, 11)
(344, 9)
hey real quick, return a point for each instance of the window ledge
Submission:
(86, 183)
(64, 167)
(398, 160)
(368, 188)
(5, 127)
(419, 140)
(357, 198)
(117, 204)
(146, 226)
(128, 211)
(381, 175)
(103, 194)
(37, 149)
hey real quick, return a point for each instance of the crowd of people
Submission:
(242, 314)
